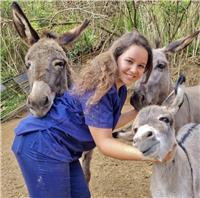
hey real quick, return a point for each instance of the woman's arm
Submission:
(113, 148)
(126, 118)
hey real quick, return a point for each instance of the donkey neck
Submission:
(166, 92)
(169, 176)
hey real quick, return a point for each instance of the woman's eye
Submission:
(141, 66)
(129, 61)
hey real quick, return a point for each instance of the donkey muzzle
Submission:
(40, 99)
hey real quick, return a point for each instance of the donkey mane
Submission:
(48, 34)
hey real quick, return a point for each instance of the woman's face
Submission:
(131, 65)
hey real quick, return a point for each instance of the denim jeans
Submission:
(46, 177)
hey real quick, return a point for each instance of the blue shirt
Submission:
(63, 133)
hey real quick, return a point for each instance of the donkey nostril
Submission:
(134, 141)
(45, 101)
(142, 98)
(149, 134)
(134, 98)
(28, 101)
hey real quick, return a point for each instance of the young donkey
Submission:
(160, 85)
(155, 137)
(48, 71)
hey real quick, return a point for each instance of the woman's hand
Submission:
(114, 148)
(169, 155)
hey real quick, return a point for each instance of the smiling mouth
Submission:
(149, 149)
(130, 77)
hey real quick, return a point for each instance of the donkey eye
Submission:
(59, 64)
(165, 119)
(161, 66)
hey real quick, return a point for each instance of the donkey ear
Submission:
(68, 37)
(175, 99)
(178, 101)
(22, 25)
(181, 43)
(170, 98)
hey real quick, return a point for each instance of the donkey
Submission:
(155, 137)
(48, 68)
(160, 85)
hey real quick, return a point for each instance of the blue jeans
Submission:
(46, 177)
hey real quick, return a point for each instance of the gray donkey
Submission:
(160, 85)
(48, 68)
(155, 137)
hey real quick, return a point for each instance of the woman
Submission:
(48, 149)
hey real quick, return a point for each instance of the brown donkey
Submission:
(48, 68)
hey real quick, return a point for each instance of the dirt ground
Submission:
(110, 178)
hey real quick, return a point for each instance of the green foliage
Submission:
(5, 7)
(83, 46)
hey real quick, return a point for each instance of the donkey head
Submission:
(48, 69)
(159, 84)
(153, 127)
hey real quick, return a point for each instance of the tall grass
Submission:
(164, 20)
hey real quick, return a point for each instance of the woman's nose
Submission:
(133, 68)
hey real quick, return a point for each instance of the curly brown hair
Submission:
(101, 73)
